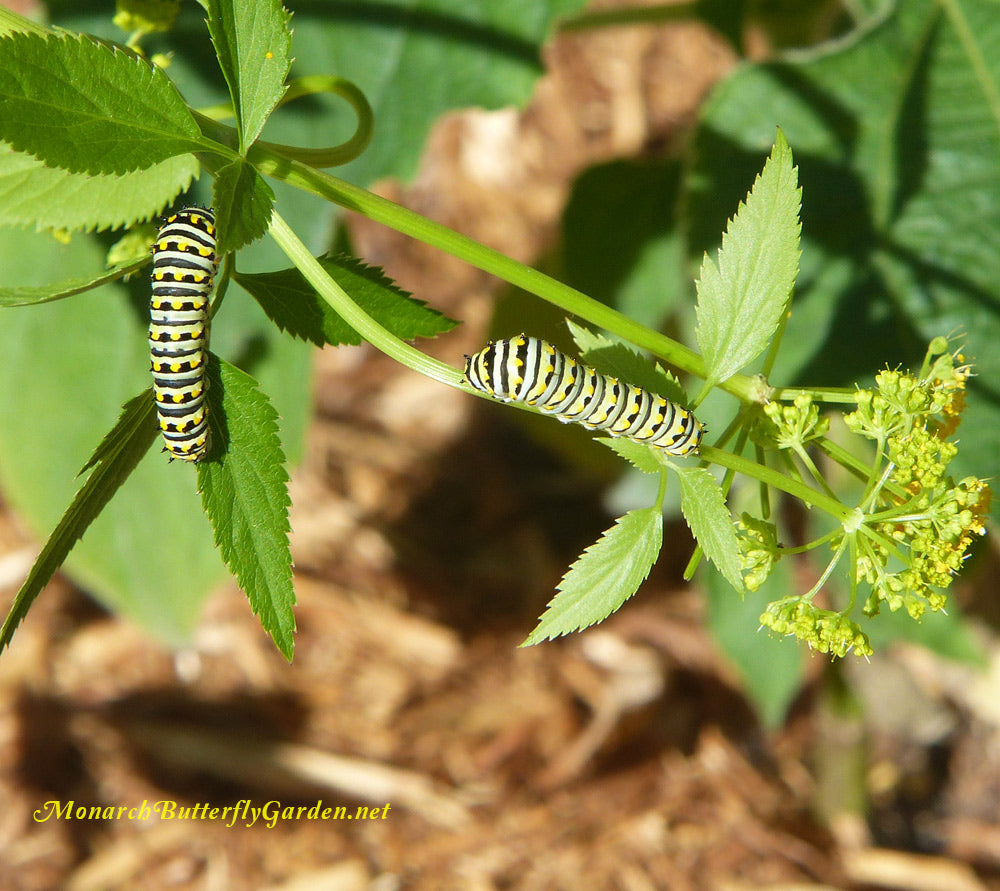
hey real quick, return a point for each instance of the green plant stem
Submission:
(884, 541)
(834, 560)
(771, 477)
(803, 456)
(812, 545)
(857, 467)
(844, 458)
(356, 317)
(662, 491)
(839, 395)
(737, 425)
(347, 151)
(301, 176)
(853, 599)
(222, 283)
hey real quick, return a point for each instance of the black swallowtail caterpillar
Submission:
(184, 266)
(526, 369)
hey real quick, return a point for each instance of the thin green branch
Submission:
(222, 283)
(661, 492)
(336, 155)
(401, 219)
(353, 314)
(839, 395)
(812, 545)
(858, 468)
(803, 456)
(778, 480)
(834, 560)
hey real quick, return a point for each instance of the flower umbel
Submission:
(914, 524)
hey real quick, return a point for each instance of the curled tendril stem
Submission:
(330, 156)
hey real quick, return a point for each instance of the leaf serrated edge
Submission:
(635, 576)
(113, 462)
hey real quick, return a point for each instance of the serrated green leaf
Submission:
(243, 202)
(292, 304)
(252, 42)
(604, 576)
(88, 107)
(620, 237)
(743, 293)
(704, 509)
(52, 198)
(244, 490)
(28, 295)
(641, 457)
(138, 415)
(621, 361)
(113, 462)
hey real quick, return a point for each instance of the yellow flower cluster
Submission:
(824, 630)
(912, 531)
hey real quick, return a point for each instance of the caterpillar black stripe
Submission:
(184, 265)
(526, 369)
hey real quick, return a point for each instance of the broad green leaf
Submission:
(414, 60)
(704, 508)
(89, 107)
(743, 293)
(619, 238)
(52, 198)
(243, 202)
(901, 197)
(773, 669)
(27, 295)
(244, 490)
(604, 576)
(69, 366)
(252, 42)
(292, 304)
(115, 459)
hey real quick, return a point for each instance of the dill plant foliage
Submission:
(914, 524)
